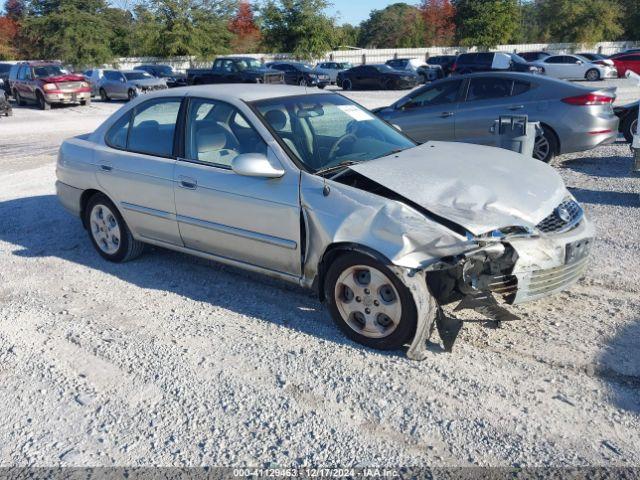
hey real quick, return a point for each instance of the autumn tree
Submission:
(244, 29)
(439, 22)
(8, 34)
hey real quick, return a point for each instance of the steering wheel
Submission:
(336, 146)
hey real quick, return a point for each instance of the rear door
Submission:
(431, 113)
(135, 168)
(554, 66)
(486, 99)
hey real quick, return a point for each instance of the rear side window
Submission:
(488, 88)
(520, 87)
(150, 129)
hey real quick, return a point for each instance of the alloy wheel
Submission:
(105, 229)
(542, 148)
(368, 301)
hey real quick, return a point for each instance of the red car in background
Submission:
(47, 83)
(627, 62)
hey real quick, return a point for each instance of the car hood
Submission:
(479, 188)
(64, 78)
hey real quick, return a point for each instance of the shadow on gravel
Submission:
(619, 367)
(40, 227)
(597, 197)
(608, 167)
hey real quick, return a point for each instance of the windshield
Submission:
(327, 130)
(517, 58)
(345, 65)
(383, 68)
(137, 75)
(165, 70)
(303, 67)
(584, 59)
(251, 63)
(49, 71)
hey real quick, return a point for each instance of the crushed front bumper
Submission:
(546, 265)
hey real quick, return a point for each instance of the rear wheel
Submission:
(546, 146)
(103, 95)
(108, 231)
(369, 303)
(630, 127)
(303, 82)
(593, 75)
(19, 100)
(347, 85)
(42, 103)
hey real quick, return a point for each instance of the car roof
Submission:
(248, 92)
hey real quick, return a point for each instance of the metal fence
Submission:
(368, 56)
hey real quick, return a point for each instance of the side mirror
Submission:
(255, 165)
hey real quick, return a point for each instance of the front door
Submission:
(247, 219)
(135, 169)
(487, 98)
(430, 114)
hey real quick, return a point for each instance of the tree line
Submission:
(93, 32)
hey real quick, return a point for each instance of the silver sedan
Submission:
(463, 109)
(313, 189)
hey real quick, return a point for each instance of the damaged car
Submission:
(312, 188)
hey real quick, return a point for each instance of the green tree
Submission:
(486, 23)
(70, 30)
(299, 27)
(347, 35)
(169, 28)
(121, 26)
(396, 26)
(581, 21)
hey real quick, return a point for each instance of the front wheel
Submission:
(131, 94)
(369, 303)
(108, 231)
(85, 103)
(630, 127)
(303, 83)
(593, 75)
(42, 103)
(546, 146)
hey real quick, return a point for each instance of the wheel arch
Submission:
(84, 201)
(336, 250)
(555, 134)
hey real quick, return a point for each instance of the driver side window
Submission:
(217, 133)
(436, 95)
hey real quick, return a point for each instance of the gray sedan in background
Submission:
(116, 84)
(463, 109)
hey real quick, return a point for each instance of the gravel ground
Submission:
(173, 361)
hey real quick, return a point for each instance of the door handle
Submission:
(446, 114)
(516, 107)
(106, 168)
(188, 183)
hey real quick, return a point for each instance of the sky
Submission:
(355, 11)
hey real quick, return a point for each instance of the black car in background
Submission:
(534, 56)
(445, 62)
(173, 78)
(628, 115)
(234, 70)
(296, 73)
(376, 77)
(492, 61)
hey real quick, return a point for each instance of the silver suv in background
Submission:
(332, 69)
(128, 84)
(463, 109)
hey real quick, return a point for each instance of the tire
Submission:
(387, 85)
(303, 83)
(85, 103)
(547, 145)
(345, 289)
(630, 126)
(347, 84)
(423, 79)
(592, 75)
(131, 94)
(42, 103)
(19, 100)
(103, 95)
(108, 231)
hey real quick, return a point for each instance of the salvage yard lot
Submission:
(174, 360)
